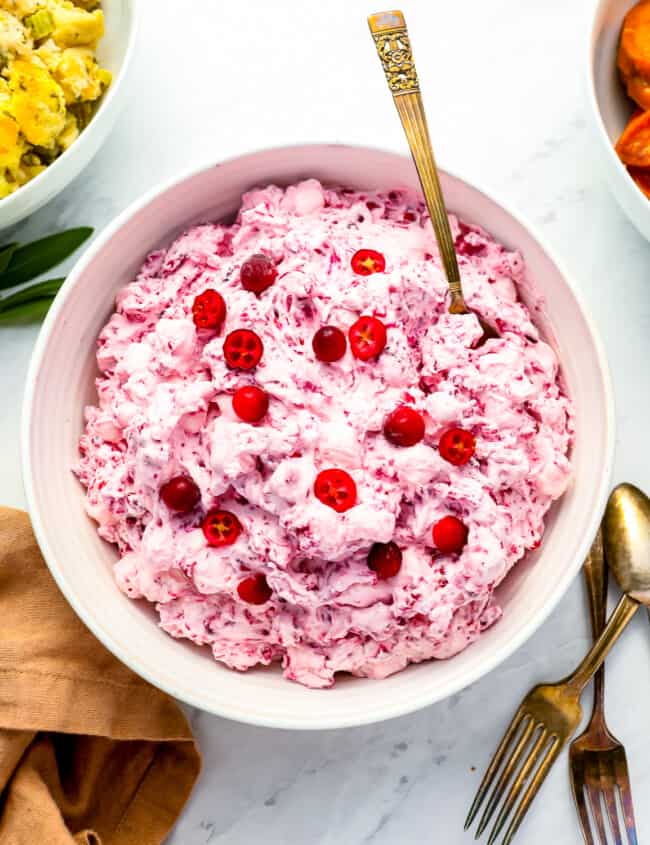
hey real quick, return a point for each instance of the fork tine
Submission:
(608, 789)
(578, 787)
(593, 794)
(519, 783)
(612, 813)
(506, 774)
(494, 766)
(623, 780)
(532, 790)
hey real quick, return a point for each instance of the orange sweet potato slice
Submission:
(641, 176)
(633, 147)
(638, 89)
(634, 47)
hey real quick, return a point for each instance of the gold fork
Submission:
(597, 760)
(394, 48)
(550, 713)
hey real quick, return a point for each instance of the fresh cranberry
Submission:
(404, 426)
(258, 273)
(250, 403)
(180, 494)
(365, 262)
(367, 338)
(243, 349)
(449, 535)
(221, 528)
(209, 310)
(336, 488)
(457, 446)
(385, 559)
(329, 344)
(254, 589)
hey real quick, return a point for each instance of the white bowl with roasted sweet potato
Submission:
(618, 84)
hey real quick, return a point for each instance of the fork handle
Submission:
(596, 578)
(618, 621)
(394, 49)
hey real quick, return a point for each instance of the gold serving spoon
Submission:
(394, 48)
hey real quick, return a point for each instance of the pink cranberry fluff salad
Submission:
(302, 456)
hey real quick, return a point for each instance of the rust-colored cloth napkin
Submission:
(90, 754)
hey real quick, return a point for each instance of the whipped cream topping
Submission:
(164, 409)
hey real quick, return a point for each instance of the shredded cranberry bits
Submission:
(385, 559)
(404, 426)
(254, 589)
(243, 349)
(335, 488)
(365, 262)
(449, 535)
(457, 446)
(258, 273)
(250, 403)
(367, 338)
(221, 528)
(180, 494)
(209, 310)
(329, 344)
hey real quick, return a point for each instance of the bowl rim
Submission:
(615, 167)
(35, 185)
(390, 709)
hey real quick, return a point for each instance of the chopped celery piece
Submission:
(41, 24)
(83, 112)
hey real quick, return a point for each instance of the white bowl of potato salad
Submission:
(62, 70)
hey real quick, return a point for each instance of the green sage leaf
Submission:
(26, 312)
(38, 257)
(40, 290)
(5, 255)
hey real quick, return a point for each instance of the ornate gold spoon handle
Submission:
(394, 48)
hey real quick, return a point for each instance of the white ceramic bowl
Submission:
(611, 108)
(114, 52)
(60, 384)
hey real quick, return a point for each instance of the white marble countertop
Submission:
(502, 82)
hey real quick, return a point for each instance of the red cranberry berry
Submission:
(457, 446)
(336, 488)
(449, 535)
(243, 349)
(367, 338)
(385, 559)
(258, 273)
(221, 528)
(250, 403)
(329, 344)
(209, 310)
(365, 262)
(254, 589)
(404, 426)
(180, 494)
